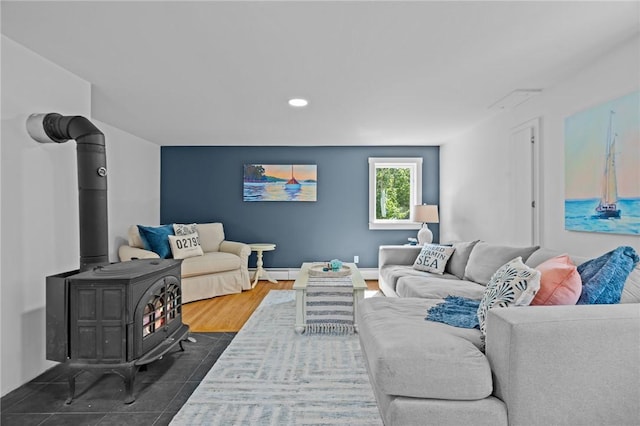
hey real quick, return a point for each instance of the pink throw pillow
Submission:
(560, 283)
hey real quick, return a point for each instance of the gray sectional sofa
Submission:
(572, 365)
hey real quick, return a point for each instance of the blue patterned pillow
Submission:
(513, 284)
(156, 239)
(603, 278)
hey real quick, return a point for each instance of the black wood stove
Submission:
(114, 318)
(105, 317)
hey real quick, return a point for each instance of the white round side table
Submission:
(259, 248)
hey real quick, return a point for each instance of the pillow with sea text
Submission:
(433, 258)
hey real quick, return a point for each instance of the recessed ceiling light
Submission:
(298, 102)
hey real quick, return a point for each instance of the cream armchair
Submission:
(222, 269)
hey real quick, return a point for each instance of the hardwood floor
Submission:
(229, 313)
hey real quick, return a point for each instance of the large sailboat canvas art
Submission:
(602, 168)
(280, 182)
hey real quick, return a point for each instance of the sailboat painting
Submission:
(602, 168)
(280, 182)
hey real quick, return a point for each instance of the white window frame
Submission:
(415, 166)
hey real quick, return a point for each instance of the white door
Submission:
(522, 185)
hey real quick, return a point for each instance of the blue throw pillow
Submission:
(603, 278)
(156, 239)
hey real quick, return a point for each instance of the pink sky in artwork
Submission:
(300, 171)
(585, 148)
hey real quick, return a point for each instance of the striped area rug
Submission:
(269, 375)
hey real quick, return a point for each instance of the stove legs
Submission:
(126, 371)
(72, 385)
(128, 377)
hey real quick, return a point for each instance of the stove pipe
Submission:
(92, 178)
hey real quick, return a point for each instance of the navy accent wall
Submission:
(204, 184)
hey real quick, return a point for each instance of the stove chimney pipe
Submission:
(92, 178)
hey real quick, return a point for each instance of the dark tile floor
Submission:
(160, 391)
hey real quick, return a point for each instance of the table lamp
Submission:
(426, 214)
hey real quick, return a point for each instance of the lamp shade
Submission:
(425, 213)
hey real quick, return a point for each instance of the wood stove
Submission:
(114, 318)
(110, 317)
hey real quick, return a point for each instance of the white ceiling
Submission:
(375, 72)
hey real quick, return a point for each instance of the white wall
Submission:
(39, 211)
(134, 183)
(474, 194)
(2, 203)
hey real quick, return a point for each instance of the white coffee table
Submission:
(300, 286)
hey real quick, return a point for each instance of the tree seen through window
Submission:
(393, 193)
(395, 186)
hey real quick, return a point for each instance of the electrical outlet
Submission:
(356, 259)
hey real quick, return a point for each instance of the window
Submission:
(395, 186)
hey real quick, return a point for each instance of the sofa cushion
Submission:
(513, 284)
(485, 259)
(410, 356)
(134, 237)
(458, 261)
(184, 246)
(543, 253)
(433, 258)
(560, 283)
(209, 263)
(391, 273)
(438, 287)
(211, 235)
(631, 290)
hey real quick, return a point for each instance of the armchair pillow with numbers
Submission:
(184, 246)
